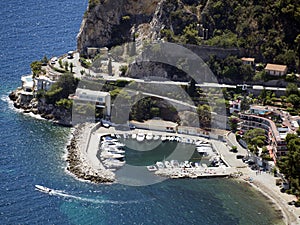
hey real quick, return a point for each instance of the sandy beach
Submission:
(265, 183)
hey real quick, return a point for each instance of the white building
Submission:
(235, 106)
(100, 99)
(276, 70)
(43, 83)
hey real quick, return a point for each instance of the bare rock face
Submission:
(110, 22)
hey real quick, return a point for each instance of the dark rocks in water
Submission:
(17, 105)
(13, 96)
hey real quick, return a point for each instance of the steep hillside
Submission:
(112, 22)
(267, 29)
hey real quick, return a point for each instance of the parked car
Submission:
(240, 156)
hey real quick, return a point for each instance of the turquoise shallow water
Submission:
(31, 151)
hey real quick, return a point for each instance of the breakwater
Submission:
(78, 160)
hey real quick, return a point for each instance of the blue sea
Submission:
(32, 151)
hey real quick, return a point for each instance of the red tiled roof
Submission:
(276, 67)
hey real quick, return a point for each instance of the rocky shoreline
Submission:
(29, 104)
(78, 163)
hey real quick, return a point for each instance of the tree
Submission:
(66, 66)
(36, 68)
(292, 88)
(123, 69)
(204, 113)
(233, 123)
(65, 86)
(255, 138)
(71, 67)
(44, 60)
(289, 165)
(234, 149)
(191, 35)
(294, 99)
(109, 67)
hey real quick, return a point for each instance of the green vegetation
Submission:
(85, 63)
(255, 138)
(123, 69)
(36, 68)
(93, 3)
(61, 90)
(268, 30)
(231, 67)
(109, 67)
(233, 123)
(260, 26)
(204, 113)
(289, 165)
(125, 18)
(150, 107)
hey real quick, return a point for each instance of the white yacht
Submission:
(152, 168)
(156, 137)
(168, 164)
(116, 150)
(149, 136)
(160, 165)
(113, 163)
(163, 138)
(110, 155)
(140, 137)
(175, 163)
(133, 136)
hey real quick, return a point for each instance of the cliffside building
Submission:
(100, 99)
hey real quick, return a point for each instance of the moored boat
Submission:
(152, 168)
(140, 137)
(156, 137)
(149, 136)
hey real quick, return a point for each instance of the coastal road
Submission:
(229, 157)
(233, 142)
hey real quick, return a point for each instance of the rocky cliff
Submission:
(112, 22)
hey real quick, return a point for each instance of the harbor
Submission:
(111, 154)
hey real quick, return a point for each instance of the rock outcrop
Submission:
(30, 104)
(111, 22)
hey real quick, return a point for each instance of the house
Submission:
(248, 61)
(276, 70)
(235, 106)
(43, 83)
(97, 98)
(92, 52)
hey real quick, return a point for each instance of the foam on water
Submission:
(62, 193)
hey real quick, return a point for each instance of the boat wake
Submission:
(84, 199)
(4, 98)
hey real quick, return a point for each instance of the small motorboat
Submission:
(149, 137)
(151, 168)
(43, 189)
(156, 137)
(140, 137)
